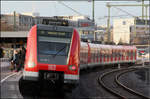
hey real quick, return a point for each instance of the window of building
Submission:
(124, 22)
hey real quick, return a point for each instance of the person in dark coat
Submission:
(21, 58)
(15, 60)
(1, 52)
(23, 53)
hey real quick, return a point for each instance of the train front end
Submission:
(52, 54)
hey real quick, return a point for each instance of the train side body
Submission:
(98, 54)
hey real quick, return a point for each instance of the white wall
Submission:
(122, 31)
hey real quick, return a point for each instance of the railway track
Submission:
(110, 81)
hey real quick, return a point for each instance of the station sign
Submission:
(85, 23)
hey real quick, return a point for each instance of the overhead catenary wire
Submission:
(120, 16)
(125, 12)
(70, 8)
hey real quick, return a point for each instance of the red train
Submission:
(56, 53)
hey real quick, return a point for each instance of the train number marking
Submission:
(51, 67)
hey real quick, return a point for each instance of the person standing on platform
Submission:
(1, 52)
(21, 58)
(15, 60)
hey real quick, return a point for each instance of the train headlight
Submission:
(72, 67)
(31, 64)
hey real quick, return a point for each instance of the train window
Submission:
(124, 22)
(49, 48)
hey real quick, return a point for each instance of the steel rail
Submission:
(101, 82)
(127, 88)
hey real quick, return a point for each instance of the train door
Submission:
(104, 55)
(129, 51)
(122, 55)
(97, 54)
(115, 54)
(118, 55)
(86, 55)
(83, 55)
(94, 54)
(131, 55)
(89, 54)
(127, 55)
(135, 54)
(111, 54)
(108, 52)
(100, 55)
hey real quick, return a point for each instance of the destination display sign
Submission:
(54, 34)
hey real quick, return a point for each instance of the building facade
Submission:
(140, 33)
(131, 31)
(121, 30)
(17, 22)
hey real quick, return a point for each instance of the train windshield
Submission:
(53, 46)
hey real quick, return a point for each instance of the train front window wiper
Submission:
(59, 51)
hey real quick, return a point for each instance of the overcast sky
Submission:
(54, 8)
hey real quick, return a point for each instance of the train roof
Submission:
(116, 47)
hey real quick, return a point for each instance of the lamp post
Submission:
(14, 20)
(93, 10)
(108, 23)
(142, 9)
